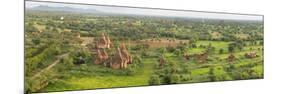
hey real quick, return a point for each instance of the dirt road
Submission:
(51, 65)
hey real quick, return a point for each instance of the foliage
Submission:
(154, 80)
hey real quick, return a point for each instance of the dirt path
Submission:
(51, 65)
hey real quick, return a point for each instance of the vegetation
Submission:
(164, 50)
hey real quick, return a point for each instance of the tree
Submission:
(212, 76)
(230, 68)
(261, 43)
(170, 48)
(36, 41)
(240, 48)
(221, 51)
(192, 41)
(193, 45)
(67, 61)
(244, 75)
(81, 57)
(116, 43)
(177, 52)
(163, 50)
(137, 60)
(31, 28)
(230, 49)
(210, 49)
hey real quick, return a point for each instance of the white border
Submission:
(11, 49)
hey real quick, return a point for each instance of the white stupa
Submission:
(61, 18)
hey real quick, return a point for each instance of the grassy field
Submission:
(104, 80)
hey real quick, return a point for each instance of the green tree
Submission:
(163, 50)
(212, 76)
(230, 49)
(177, 52)
(221, 51)
(68, 62)
(31, 28)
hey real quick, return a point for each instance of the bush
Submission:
(81, 57)
(175, 69)
(144, 54)
(186, 70)
(83, 67)
(177, 52)
(244, 75)
(170, 49)
(254, 75)
(221, 51)
(212, 75)
(130, 70)
(186, 77)
(67, 62)
(229, 68)
(154, 80)
(175, 78)
(137, 60)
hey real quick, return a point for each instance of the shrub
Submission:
(154, 80)
(212, 75)
(254, 75)
(67, 61)
(177, 52)
(221, 51)
(186, 77)
(186, 70)
(244, 75)
(175, 78)
(81, 57)
(170, 49)
(130, 70)
(83, 67)
(137, 60)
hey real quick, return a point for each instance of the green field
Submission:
(100, 80)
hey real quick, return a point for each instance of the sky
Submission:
(149, 12)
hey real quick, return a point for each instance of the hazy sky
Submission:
(156, 12)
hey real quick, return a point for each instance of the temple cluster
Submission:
(119, 60)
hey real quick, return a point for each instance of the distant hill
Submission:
(97, 12)
(65, 9)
